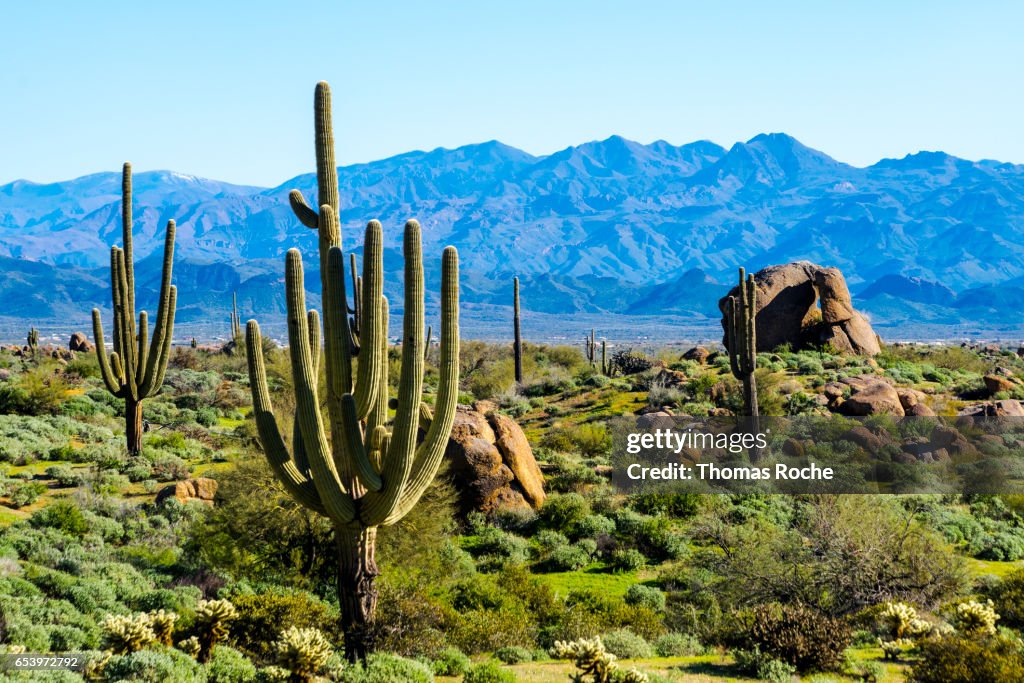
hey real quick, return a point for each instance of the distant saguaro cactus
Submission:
(517, 344)
(236, 322)
(33, 341)
(369, 472)
(742, 339)
(136, 368)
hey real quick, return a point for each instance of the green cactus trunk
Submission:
(742, 340)
(236, 322)
(359, 469)
(517, 344)
(135, 369)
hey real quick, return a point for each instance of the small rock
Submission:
(200, 488)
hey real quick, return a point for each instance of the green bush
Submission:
(567, 558)
(763, 666)
(954, 658)
(450, 662)
(157, 665)
(228, 665)
(382, 667)
(1008, 597)
(488, 672)
(625, 644)
(261, 616)
(678, 645)
(64, 475)
(645, 596)
(628, 560)
(564, 512)
(797, 635)
(25, 494)
(62, 515)
(513, 655)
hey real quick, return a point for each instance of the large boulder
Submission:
(871, 396)
(492, 463)
(788, 300)
(79, 342)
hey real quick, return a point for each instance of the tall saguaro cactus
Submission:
(136, 367)
(742, 339)
(517, 344)
(236, 322)
(359, 469)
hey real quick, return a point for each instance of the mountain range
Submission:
(931, 245)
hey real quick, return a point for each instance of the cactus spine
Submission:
(236, 322)
(517, 344)
(33, 341)
(742, 339)
(359, 470)
(136, 366)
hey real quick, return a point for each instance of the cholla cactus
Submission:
(595, 664)
(303, 652)
(892, 649)
(123, 635)
(903, 622)
(975, 618)
(162, 623)
(190, 646)
(212, 617)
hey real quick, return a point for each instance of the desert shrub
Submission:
(488, 672)
(156, 665)
(381, 667)
(513, 655)
(625, 644)
(261, 615)
(763, 666)
(63, 475)
(593, 526)
(966, 660)
(63, 515)
(564, 512)
(25, 494)
(592, 439)
(645, 596)
(568, 558)
(169, 468)
(679, 505)
(228, 665)
(1007, 596)
(184, 381)
(450, 662)
(797, 635)
(628, 560)
(410, 620)
(630, 362)
(678, 645)
(494, 548)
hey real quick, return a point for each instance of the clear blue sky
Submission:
(224, 90)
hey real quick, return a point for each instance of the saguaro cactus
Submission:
(742, 340)
(359, 470)
(137, 365)
(517, 344)
(33, 341)
(236, 322)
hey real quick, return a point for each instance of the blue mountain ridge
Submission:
(604, 227)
